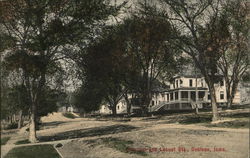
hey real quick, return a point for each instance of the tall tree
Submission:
(148, 45)
(40, 29)
(104, 68)
(235, 59)
(200, 25)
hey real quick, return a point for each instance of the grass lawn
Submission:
(34, 151)
(25, 141)
(122, 146)
(4, 140)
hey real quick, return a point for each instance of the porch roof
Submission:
(188, 89)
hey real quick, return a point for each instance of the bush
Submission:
(25, 141)
(69, 115)
(4, 140)
(13, 125)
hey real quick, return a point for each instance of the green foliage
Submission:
(122, 145)
(25, 141)
(88, 97)
(13, 125)
(40, 35)
(41, 151)
(246, 77)
(48, 101)
(6, 41)
(4, 140)
(69, 115)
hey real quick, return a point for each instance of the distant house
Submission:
(68, 108)
(244, 91)
(120, 108)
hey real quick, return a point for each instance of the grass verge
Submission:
(4, 140)
(69, 115)
(239, 123)
(35, 151)
(25, 141)
(232, 120)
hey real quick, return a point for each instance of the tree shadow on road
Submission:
(89, 132)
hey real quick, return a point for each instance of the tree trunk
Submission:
(32, 129)
(14, 118)
(228, 90)
(113, 108)
(213, 103)
(128, 104)
(20, 121)
(232, 94)
(10, 119)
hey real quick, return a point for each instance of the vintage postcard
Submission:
(125, 78)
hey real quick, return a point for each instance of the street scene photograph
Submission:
(125, 78)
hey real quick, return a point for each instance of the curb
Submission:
(58, 151)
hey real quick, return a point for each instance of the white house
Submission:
(189, 91)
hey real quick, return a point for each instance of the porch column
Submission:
(206, 95)
(189, 95)
(179, 95)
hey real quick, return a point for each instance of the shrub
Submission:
(69, 115)
(25, 141)
(13, 125)
(4, 140)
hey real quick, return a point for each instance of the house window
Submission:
(162, 95)
(190, 83)
(171, 96)
(221, 83)
(167, 97)
(176, 96)
(177, 84)
(201, 94)
(184, 94)
(208, 97)
(181, 82)
(221, 95)
(202, 83)
(153, 103)
(118, 107)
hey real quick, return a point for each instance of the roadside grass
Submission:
(231, 120)
(235, 120)
(4, 140)
(193, 119)
(25, 141)
(236, 123)
(122, 146)
(35, 151)
(69, 115)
